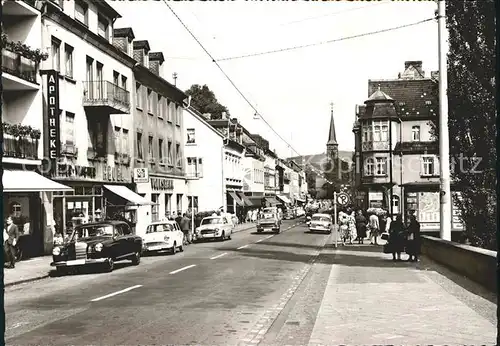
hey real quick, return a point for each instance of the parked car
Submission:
(269, 222)
(321, 223)
(98, 243)
(289, 214)
(163, 236)
(215, 227)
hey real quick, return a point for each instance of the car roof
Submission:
(320, 214)
(170, 222)
(103, 223)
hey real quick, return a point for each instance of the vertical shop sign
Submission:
(53, 133)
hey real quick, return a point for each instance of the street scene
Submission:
(326, 177)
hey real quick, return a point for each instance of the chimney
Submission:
(156, 60)
(141, 51)
(435, 75)
(122, 39)
(417, 65)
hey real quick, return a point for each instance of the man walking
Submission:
(374, 228)
(10, 242)
(185, 225)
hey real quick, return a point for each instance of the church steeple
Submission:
(332, 145)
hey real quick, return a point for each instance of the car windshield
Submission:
(92, 231)
(321, 218)
(212, 221)
(268, 216)
(165, 227)
(268, 210)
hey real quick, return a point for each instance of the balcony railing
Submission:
(106, 95)
(20, 147)
(19, 66)
(193, 175)
(375, 145)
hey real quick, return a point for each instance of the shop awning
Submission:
(300, 200)
(246, 201)
(284, 199)
(273, 201)
(236, 198)
(127, 194)
(255, 201)
(29, 181)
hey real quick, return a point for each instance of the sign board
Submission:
(141, 175)
(343, 198)
(53, 112)
(162, 184)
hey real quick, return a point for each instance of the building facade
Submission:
(396, 154)
(159, 160)
(204, 151)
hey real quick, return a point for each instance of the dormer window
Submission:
(103, 27)
(81, 12)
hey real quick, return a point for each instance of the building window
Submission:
(428, 166)
(150, 101)
(140, 154)
(369, 166)
(70, 128)
(56, 54)
(178, 156)
(118, 139)
(116, 78)
(172, 115)
(155, 207)
(367, 133)
(81, 12)
(381, 166)
(160, 150)
(179, 116)
(124, 82)
(179, 204)
(125, 145)
(385, 133)
(160, 107)
(168, 204)
(150, 147)
(380, 131)
(195, 167)
(170, 159)
(415, 133)
(102, 27)
(68, 60)
(190, 136)
(138, 96)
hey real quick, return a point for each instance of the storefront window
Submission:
(168, 204)
(154, 208)
(179, 204)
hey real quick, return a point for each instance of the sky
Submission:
(292, 90)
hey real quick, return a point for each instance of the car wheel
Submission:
(223, 236)
(181, 248)
(229, 236)
(174, 248)
(136, 259)
(110, 265)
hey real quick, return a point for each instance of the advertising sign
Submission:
(141, 175)
(53, 129)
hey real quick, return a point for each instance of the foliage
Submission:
(330, 170)
(18, 130)
(472, 117)
(203, 99)
(24, 50)
(311, 181)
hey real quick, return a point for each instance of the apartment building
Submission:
(158, 135)
(397, 157)
(205, 157)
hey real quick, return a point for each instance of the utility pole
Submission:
(444, 140)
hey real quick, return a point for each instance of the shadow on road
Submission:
(88, 270)
(280, 244)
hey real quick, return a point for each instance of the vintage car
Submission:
(289, 214)
(273, 210)
(163, 236)
(269, 222)
(215, 227)
(98, 243)
(321, 223)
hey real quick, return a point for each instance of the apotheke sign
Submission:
(53, 133)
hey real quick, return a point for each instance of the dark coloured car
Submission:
(98, 243)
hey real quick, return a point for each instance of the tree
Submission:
(311, 181)
(472, 116)
(203, 99)
(331, 173)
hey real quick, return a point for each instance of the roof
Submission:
(197, 115)
(142, 44)
(124, 32)
(317, 160)
(332, 137)
(107, 9)
(379, 96)
(156, 56)
(413, 97)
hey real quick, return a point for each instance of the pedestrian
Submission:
(396, 241)
(413, 240)
(360, 226)
(352, 227)
(374, 227)
(344, 226)
(185, 225)
(11, 237)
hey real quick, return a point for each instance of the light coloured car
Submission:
(300, 212)
(163, 236)
(269, 222)
(321, 223)
(215, 227)
(274, 210)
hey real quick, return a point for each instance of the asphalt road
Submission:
(241, 291)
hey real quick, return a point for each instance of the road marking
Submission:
(242, 247)
(219, 256)
(258, 241)
(184, 268)
(116, 293)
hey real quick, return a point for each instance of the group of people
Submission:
(354, 226)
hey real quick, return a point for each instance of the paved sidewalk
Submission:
(28, 270)
(369, 299)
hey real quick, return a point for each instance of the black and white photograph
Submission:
(243, 173)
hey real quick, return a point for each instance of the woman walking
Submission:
(413, 245)
(352, 227)
(360, 226)
(396, 238)
(344, 226)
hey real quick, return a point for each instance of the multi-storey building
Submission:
(253, 168)
(159, 136)
(397, 157)
(204, 151)
(27, 195)
(95, 129)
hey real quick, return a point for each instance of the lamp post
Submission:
(444, 140)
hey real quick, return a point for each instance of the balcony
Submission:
(18, 72)
(193, 175)
(106, 97)
(19, 149)
(375, 146)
